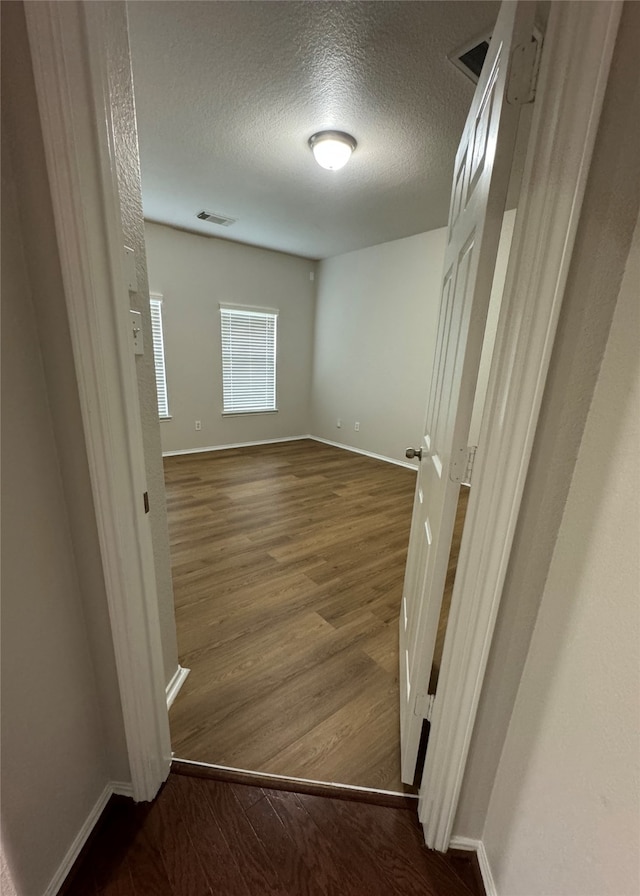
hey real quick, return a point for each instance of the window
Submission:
(158, 355)
(248, 359)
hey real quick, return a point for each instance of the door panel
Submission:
(481, 176)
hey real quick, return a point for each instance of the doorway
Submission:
(408, 375)
(198, 727)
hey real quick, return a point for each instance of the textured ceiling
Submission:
(228, 94)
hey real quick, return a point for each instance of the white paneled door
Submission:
(480, 181)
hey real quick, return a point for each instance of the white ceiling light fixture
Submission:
(332, 149)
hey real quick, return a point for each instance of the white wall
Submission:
(563, 818)
(375, 332)
(361, 351)
(365, 355)
(54, 766)
(194, 274)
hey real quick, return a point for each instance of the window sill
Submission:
(248, 413)
(165, 417)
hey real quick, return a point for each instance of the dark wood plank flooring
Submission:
(204, 837)
(288, 562)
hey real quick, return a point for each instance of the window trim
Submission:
(263, 311)
(160, 366)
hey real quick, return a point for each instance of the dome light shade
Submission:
(332, 149)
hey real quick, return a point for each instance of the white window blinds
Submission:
(158, 355)
(248, 359)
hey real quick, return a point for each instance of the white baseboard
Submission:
(234, 445)
(122, 788)
(477, 846)
(465, 843)
(177, 680)
(79, 841)
(389, 460)
(485, 871)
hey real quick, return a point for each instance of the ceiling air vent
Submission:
(470, 58)
(214, 218)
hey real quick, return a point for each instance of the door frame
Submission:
(73, 65)
(74, 73)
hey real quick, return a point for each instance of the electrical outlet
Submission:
(198, 425)
(356, 426)
(338, 422)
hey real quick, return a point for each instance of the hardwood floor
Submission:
(204, 837)
(288, 562)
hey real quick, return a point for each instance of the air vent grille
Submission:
(474, 58)
(214, 218)
(470, 58)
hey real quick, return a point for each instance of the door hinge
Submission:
(523, 71)
(459, 461)
(423, 705)
(471, 456)
(462, 464)
(145, 498)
